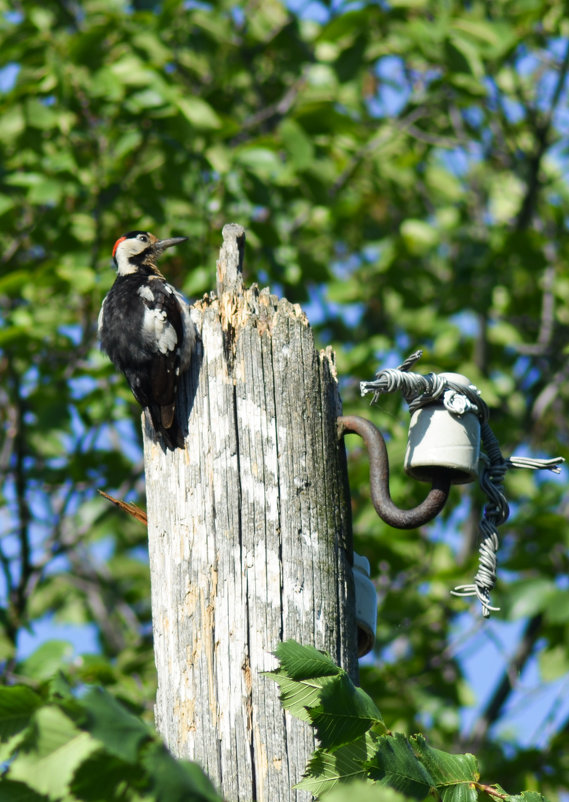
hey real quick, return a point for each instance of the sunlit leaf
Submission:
(199, 113)
(419, 237)
(363, 792)
(47, 659)
(57, 749)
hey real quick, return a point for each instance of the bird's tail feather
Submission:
(171, 434)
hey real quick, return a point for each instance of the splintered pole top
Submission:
(230, 262)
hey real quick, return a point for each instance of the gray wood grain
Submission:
(249, 538)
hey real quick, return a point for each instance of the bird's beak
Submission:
(162, 244)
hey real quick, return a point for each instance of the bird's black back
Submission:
(151, 372)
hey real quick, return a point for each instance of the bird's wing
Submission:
(162, 333)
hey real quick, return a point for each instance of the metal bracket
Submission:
(379, 478)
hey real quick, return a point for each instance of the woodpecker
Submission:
(145, 329)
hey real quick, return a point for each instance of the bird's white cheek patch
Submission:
(158, 332)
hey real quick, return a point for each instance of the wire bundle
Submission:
(420, 391)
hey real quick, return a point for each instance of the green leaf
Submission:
(498, 36)
(39, 115)
(463, 56)
(506, 197)
(531, 596)
(419, 237)
(326, 769)
(443, 184)
(395, 764)
(298, 145)
(11, 791)
(42, 18)
(553, 663)
(104, 777)
(303, 662)
(47, 659)
(10, 747)
(147, 99)
(12, 333)
(197, 112)
(150, 43)
(131, 71)
(297, 696)
(52, 755)
(13, 123)
(557, 609)
(83, 227)
(453, 775)
(270, 17)
(16, 707)
(344, 713)
(219, 157)
(303, 672)
(362, 792)
(409, 3)
(6, 204)
(263, 161)
(177, 780)
(83, 278)
(29, 179)
(109, 722)
(128, 142)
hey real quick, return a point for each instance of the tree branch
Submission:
(547, 318)
(19, 593)
(275, 110)
(542, 131)
(375, 143)
(506, 684)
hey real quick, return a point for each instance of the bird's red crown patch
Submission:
(117, 243)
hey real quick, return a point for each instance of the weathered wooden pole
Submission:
(249, 537)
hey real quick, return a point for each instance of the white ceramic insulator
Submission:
(366, 604)
(441, 439)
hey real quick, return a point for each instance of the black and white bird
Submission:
(145, 329)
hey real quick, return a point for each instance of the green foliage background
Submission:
(399, 167)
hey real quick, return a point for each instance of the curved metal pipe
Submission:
(379, 478)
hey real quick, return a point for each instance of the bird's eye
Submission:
(143, 237)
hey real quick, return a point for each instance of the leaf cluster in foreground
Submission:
(89, 749)
(356, 748)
